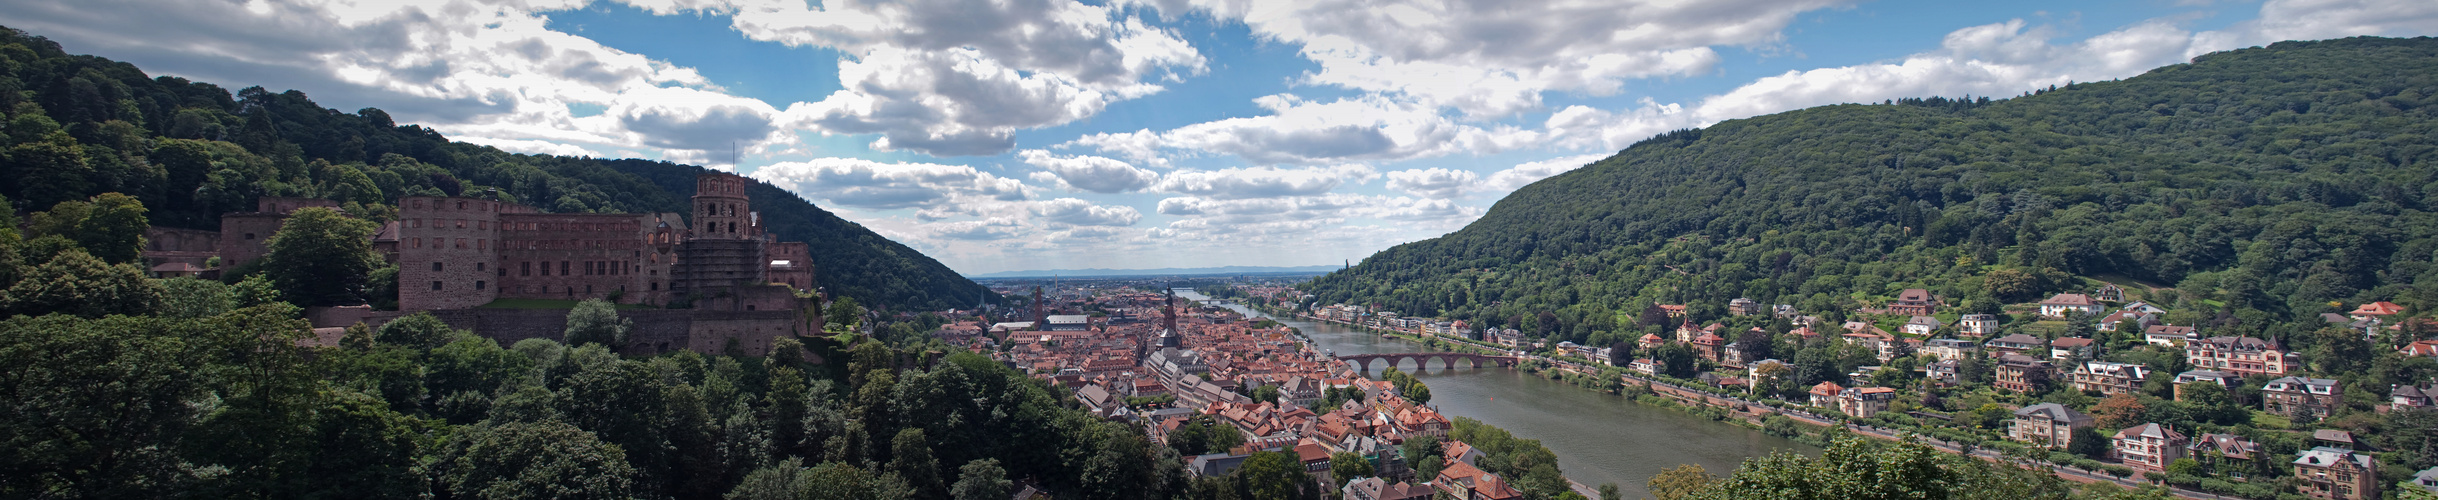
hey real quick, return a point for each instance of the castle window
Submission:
(435, 267)
(461, 223)
(418, 203)
(562, 268)
(249, 236)
(461, 243)
(478, 266)
(435, 285)
(461, 205)
(481, 244)
(418, 242)
(482, 224)
(655, 286)
(478, 285)
(503, 272)
(414, 223)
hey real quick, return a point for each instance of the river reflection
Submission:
(1599, 438)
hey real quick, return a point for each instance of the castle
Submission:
(722, 281)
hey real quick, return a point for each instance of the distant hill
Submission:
(2263, 185)
(1165, 271)
(80, 125)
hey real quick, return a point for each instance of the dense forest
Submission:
(2251, 189)
(77, 126)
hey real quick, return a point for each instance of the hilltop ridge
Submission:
(2263, 184)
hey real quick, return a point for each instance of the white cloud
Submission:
(487, 72)
(952, 77)
(870, 184)
(1999, 59)
(1365, 128)
(1065, 212)
(986, 229)
(1263, 182)
(1088, 173)
(1494, 57)
(1530, 172)
(1433, 183)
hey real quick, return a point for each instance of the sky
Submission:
(999, 135)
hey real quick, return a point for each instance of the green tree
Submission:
(92, 403)
(843, 314)
(194, 298)
(114, 229)
(596, 321)
(981, 479)
(1859, 468)
(910, 458)
(1346, 466)
(1680, 482)
(78, 284)
(361, 449)
(1271, 475)
(420, 331)
(534, 460)
(50, 170)
(321, 258)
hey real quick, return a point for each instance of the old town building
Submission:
(2109, 377)
(2295, 397)
(2148, 446)
(2240, 355)
(2047, 425)
(2337, 473)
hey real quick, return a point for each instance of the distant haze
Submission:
(1165, 271)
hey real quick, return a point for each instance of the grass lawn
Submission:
(2265, 420)
(547, 304)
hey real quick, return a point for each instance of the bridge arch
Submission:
(1422, 360)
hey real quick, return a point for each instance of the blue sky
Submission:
(1004, 135)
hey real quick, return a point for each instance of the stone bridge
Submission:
(1447, 360)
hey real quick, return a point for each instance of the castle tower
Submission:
(724, 254)
(721, 210)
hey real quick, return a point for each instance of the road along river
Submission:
(1598, 437)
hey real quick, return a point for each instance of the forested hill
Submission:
(81, 125)
(2262, 185)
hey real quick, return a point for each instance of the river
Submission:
(1598, 438)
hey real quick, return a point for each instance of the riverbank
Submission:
(1598, 437)
(1791, 421)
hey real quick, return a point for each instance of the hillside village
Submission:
(2096, 379)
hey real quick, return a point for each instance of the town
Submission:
(1182, 370)
(2097, 385)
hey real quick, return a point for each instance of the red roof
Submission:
(2069, 299)
(2380, 308)
(1311, 453)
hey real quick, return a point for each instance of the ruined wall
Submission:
(713, 271)
(447, 250)
(656, 331)
(578, 256)
(246, 237)
(790, 263)
(752, 330)
(163, 245)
